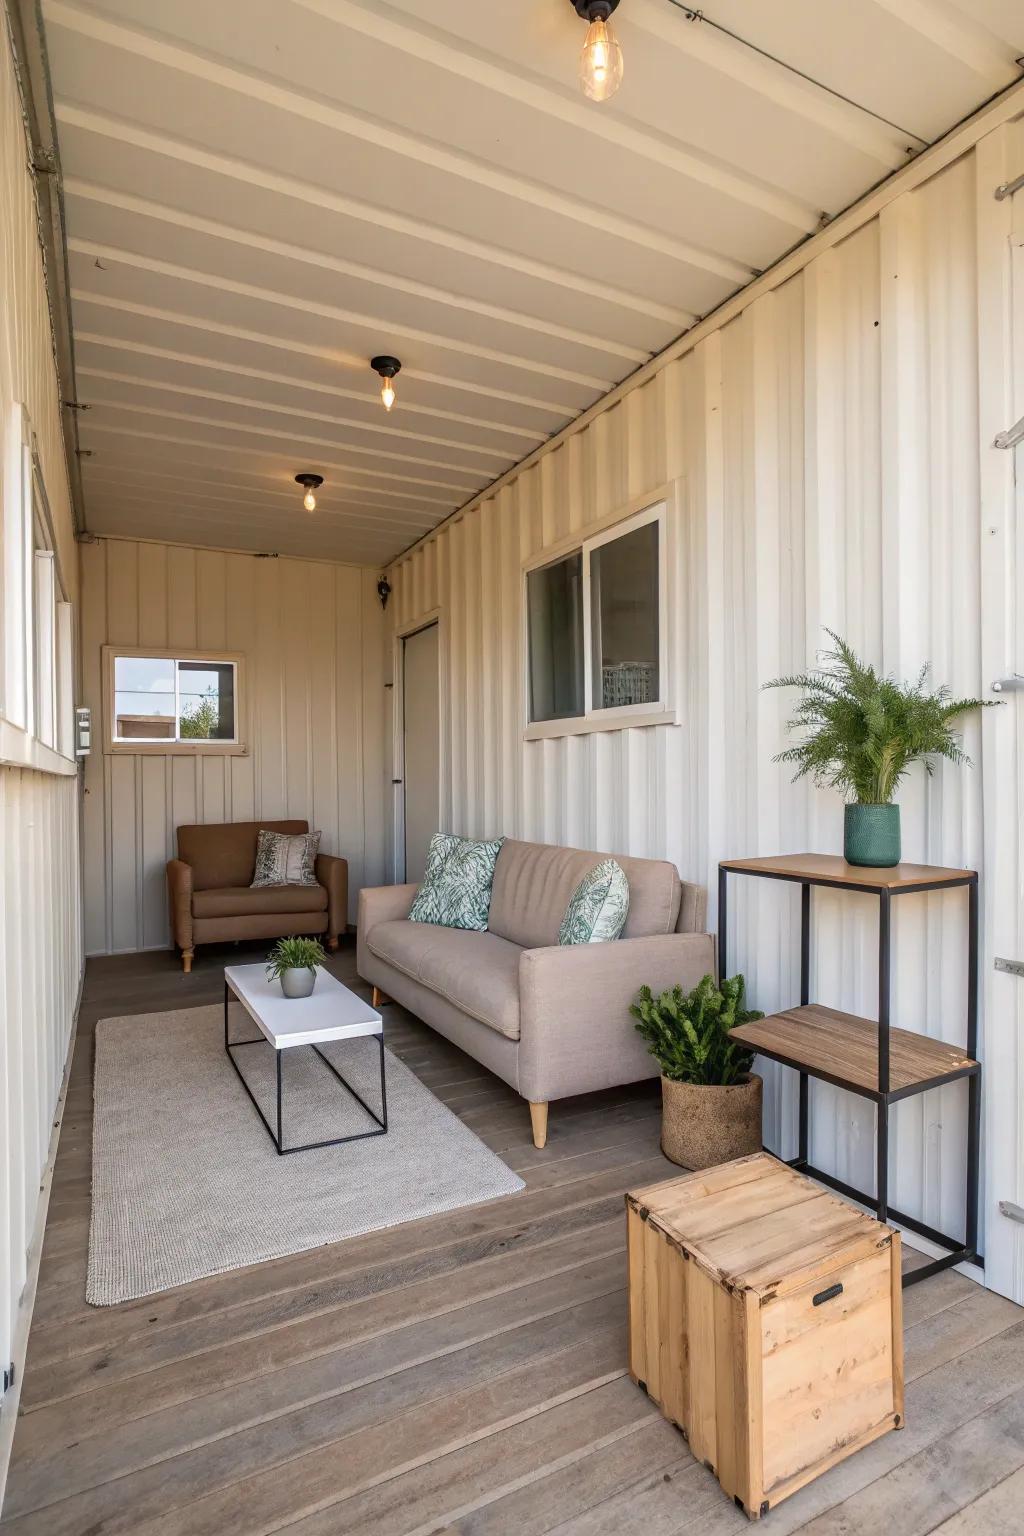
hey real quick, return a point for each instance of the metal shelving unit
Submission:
(866, 1056)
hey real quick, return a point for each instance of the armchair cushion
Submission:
(285, 858)
(241, 901)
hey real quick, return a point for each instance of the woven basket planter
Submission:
(702, 1125)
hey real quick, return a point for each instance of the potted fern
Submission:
(710, 1099)
(293, 963)
(864, 731)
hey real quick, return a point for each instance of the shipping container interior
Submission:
(408, 426)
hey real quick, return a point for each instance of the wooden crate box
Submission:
(766, 1321)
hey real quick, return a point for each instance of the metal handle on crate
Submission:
(829, 1295)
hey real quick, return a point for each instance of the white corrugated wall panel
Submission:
(822, 449)
(40, 916)
(310, 633)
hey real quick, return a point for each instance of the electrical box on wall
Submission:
(83, 731)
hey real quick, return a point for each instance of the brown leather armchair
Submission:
(211, 898)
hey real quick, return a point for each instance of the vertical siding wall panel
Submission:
(822, 451)
(311, 635)
(40, 911)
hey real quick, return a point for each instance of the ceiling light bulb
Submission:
(600, 61)
(309, 483)
(387, 368)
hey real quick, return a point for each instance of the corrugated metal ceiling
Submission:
(260, 196)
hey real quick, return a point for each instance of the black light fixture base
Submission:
(310, 482)
(387, 367)
(594, 10)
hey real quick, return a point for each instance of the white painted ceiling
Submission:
(262, 194)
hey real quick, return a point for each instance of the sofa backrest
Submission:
(534, 881)
(224, 852)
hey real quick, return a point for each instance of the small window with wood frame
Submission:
(172, 701)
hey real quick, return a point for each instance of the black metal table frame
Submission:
(230, 1045)
(960, 1251)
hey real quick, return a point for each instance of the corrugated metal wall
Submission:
(40, 917)
(823, 450)
(310, 633)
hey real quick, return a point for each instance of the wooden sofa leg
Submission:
(332, 943)
(186, 960)
(379, 999)
(539, 1119)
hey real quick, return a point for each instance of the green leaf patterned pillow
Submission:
(456, 889)
(598, 907)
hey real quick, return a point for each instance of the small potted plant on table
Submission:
(710, 1099)
(293, 962)
(863, 733)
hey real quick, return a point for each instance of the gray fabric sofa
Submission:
(551, 1020)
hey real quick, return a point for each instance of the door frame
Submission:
(1000, 403)
(434, 617)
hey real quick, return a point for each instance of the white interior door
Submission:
(421, 746)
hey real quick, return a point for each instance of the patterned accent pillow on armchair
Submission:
(456, 889)
(283, 859)
(598, 907)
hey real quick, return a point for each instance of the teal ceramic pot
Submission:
(871, 835)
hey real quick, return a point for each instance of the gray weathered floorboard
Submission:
(459, 1376)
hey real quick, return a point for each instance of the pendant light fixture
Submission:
(312, 483)
(388, 368)
(601, 59)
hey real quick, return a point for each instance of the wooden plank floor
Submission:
(466, 1373)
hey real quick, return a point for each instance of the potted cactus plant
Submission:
(293, 962)
(710, 1099)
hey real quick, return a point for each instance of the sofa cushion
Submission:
(224, 853)
(534, 882)
(477, 972)
(456, 889)
(247, 900)
(598, 907)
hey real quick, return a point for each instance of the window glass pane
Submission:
(625, 620)
(206, 694)
(554, 598)
(143, 698)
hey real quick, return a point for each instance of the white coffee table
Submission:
(331, 1012)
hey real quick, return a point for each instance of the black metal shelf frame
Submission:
(960, 1250)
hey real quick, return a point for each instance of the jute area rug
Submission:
(186, 1181)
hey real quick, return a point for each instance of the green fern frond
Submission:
(861, 731)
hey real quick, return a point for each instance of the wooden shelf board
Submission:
(827, 866)
(825, 1042)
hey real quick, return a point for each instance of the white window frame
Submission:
(189, 748)
(659, 712)
(37, 679)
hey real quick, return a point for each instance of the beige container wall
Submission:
(40, 915)
(310, 633)
(823, 450)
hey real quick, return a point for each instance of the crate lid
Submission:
(756, 1224)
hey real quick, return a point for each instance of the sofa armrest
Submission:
(380, 904)
(332, 873)
(576, 1032)
(179, 893)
